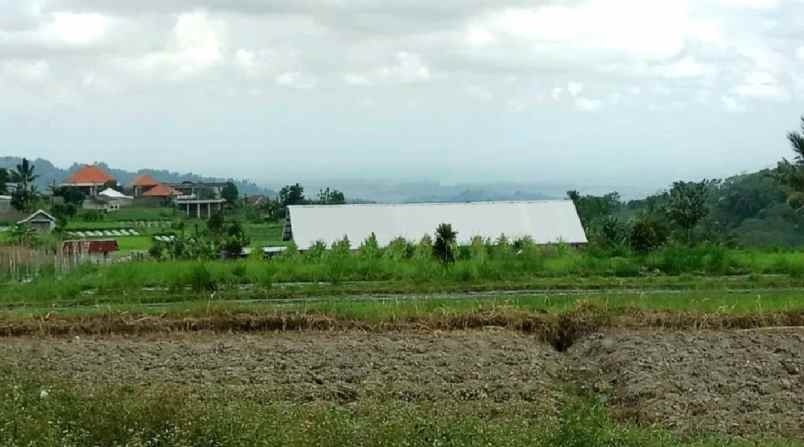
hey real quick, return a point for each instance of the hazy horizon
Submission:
(624, 93)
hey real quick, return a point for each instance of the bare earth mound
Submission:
(337, 366)
(736, 382)
(733, 382)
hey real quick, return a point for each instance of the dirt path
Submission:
(735, 382)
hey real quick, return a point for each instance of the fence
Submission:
(22, 263)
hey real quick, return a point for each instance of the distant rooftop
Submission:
(89, 175)
(160, 191)
(144, 181)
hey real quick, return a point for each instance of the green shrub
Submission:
(648, 234)
(200, 279)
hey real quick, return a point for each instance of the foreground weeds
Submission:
(36, 412)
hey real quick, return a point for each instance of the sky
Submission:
(615, 92)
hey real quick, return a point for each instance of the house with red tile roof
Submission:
(143, 184)
(161, 192)
(90, 180)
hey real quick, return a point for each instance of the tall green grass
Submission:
(480, 264)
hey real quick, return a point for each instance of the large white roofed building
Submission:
(545, 222)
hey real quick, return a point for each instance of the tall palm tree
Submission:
(792, 174)
(24, 175)
(444, 247)
(797, 140)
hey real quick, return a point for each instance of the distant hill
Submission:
(49, 174)
(390, 191)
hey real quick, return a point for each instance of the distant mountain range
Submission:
(356, 190)
(49, 174)
(422, 191)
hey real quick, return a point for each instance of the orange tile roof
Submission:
(145, 181)
(89, 174)
(160, 191)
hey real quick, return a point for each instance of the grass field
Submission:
(178, 416)
(134, 243)
(220, 405)
(338, 273)
(549, 347)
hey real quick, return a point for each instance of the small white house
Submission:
(115, 199)
(40, 221)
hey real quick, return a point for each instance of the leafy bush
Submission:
(648, 234)
(610, 233)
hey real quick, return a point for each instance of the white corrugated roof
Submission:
(114, 194)
(546, 221)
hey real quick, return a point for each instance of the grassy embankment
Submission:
(527, 291)
(344, 273)
(579, 293)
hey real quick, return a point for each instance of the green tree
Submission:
(24, 175)
(230, 193)
(25, 195)
(64, 212)
(647, 234)
(273, 208)
(444, 246)
(610, 232)
(591, 208)
(292, 195)
(24, 199)
(331, 197)
(688, 204)
(216, 223)
(791, 174)
(71, 196)
(3, 181)
(235, 240)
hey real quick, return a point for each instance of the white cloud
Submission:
(479, 93)
(607, 27)
(296, 80)
(800, 53)
(26, 71)
(687, 68)
(732, 105)
(574, 88)
(587, 104)
(557, 93)
(762, 85)
(407, 68)
(246, 60)
(356, 79)
(76, 29)
(195, 46)
(751, 4)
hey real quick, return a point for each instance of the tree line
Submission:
(761, 209)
